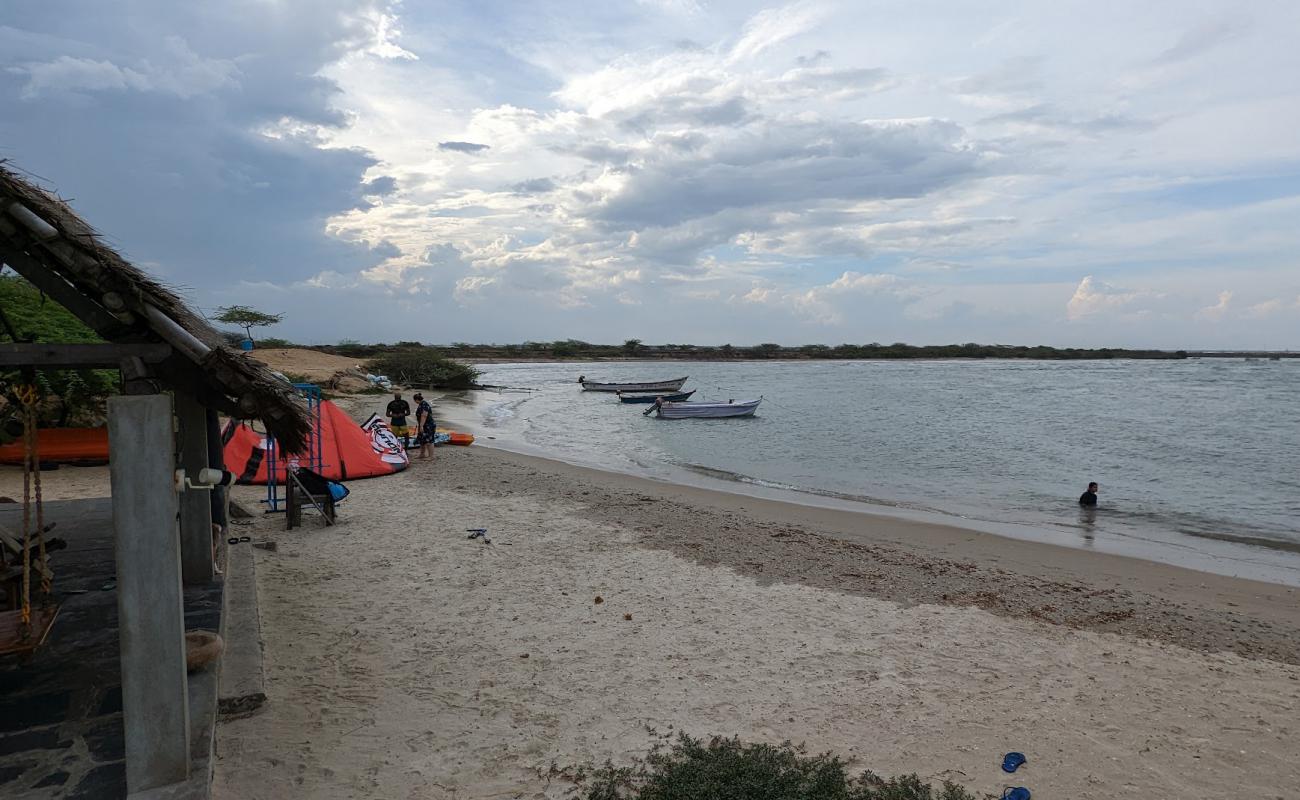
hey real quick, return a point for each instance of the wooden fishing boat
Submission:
(701, 410)
(666, 387)
(650, 398)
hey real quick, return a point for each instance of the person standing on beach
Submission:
(1089, 498)
(398, 411)
(425, 427)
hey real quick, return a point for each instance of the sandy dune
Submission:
(310, 364)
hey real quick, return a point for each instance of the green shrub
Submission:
(75, 396)
(275, 341)
(423, 366)
(727, 769)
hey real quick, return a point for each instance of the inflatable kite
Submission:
(348, 450)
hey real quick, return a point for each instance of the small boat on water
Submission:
(701, 410)
(666, 387)
(650, 398)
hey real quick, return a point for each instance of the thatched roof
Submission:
(45, 241)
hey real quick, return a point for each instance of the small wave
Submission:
(1204, 527)
(736, 477)
(497, 414)
(1257, 541)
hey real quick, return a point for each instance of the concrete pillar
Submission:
(150, 606)
(196, 504)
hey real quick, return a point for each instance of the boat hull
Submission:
(650, 398)
(706, 410)
(654, 386)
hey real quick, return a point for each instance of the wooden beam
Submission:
(78, 355)
(184, 375)
(62, 292)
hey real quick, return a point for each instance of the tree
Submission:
(247, 318)
(632, 346)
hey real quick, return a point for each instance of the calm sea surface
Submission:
(1197, 459)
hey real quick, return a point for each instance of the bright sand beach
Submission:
(405, 661)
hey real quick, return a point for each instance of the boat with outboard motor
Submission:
(703, 410)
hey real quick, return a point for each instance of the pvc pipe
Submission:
(39, 227)
(175, 335)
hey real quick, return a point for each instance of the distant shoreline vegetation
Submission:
(574, 350)
(634, 349)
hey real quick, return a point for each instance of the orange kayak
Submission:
(62, 446)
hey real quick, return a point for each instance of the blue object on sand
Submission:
(338, 491)
(1013, 761)
(1016, 793)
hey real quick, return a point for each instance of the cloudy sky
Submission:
(1070, 173)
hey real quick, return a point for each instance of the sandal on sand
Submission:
(1013, 761)
(1016, 793)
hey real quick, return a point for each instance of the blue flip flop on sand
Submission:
(1016, 793)
(1013, 761)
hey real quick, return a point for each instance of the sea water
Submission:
(1197, 459)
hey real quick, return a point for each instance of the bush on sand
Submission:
(423, 367)
(728, 769)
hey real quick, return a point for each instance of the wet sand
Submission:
(405, 660)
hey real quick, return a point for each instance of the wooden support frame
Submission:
(296, 493)
(195, 504)
(59, 290)
(74, 356)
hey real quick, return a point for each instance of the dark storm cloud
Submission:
(790, 164)
(534, 186)
(463, 147)
(187, 132)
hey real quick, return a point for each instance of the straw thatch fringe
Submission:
(54, 238)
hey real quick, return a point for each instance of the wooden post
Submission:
(220, 501)
(150, 606)
(196, 504)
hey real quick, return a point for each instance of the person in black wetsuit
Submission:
(398, 411)
(1089, 498)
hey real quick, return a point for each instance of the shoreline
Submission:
(1224, 557)
(945, 564)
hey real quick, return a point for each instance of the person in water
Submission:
(425, 427)
(1089, 498)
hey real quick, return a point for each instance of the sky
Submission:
(686, 171)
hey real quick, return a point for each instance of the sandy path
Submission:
(394, 652)
(64, 483)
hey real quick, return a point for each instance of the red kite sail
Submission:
(348, 450)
